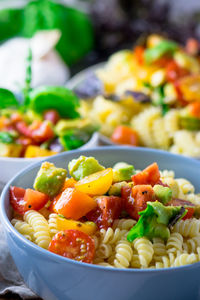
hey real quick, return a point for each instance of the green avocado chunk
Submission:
(164, 47)
(115, 188)
(164, 194)
(122, 172)
(154, 221)
(84, 166)
(49, 179)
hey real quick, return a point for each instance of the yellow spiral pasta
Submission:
(24, 228)
(185, 259)
(123, 254)
(191, 245)
(159, 249)
(145, 250)
(40, 227)
(124, 224)
(187, 228)
(53, 224)
(110, 236)
(143, 122)
(174, 242)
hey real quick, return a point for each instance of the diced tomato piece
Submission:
(192, 46)
(137, 200)
(34, 200)
(187, 204)
(52, 116)
(194, 109)
(108, 209)
(73, 204)
(17, 199)
(43, 133)
(16, 117)
(126, 192)
(23, 200)
(163, 61)
(174, 71)
(23, 128)
(139, 54)
(149, 175)
(179, 93)
(73, 244)
(25, 141)
(125, 135)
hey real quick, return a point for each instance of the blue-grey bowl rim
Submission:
(7, 224)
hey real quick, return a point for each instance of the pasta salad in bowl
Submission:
(148, 96)
(118, 215)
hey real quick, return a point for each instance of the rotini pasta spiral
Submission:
(24, 228)
(175, 242)
(53, 224)
(187, 228)
(191, 245)
(40, 227)
(159, 249)
(145, 250)
(110, 236)
(185, 259)
(123, 255)
(124, 224)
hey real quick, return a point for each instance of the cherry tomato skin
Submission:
(194, 109)
(23, 129)
(52, 116)
(187, 204)
(17, 199)
(139, 54)
(175, 72)
(73, 244)
(23, 200)
(189, 214)
(125, 135)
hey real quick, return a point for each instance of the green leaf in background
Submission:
(71, 141)
(77, 32)
(77, 36)
(164, 47)
(7, 99)
(64, 101)
(10, 22)
(6, 137)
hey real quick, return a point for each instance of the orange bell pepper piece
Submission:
(73, 204)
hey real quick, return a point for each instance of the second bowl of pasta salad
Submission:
(120, 215)
(148, 96)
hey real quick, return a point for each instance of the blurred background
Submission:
(67, 36)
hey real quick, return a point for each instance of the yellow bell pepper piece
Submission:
(10, 150)
(35, 151)
(97, 183)
(65, 224)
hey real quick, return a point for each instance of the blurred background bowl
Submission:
(54, 277)
(10, 166)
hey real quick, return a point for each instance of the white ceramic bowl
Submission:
(10, 166)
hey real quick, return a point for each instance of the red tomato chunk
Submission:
(108, 209)
(149, 175)
(23, 200)
(135, 199)
(73, 244)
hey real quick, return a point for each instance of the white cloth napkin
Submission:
(10, 279)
